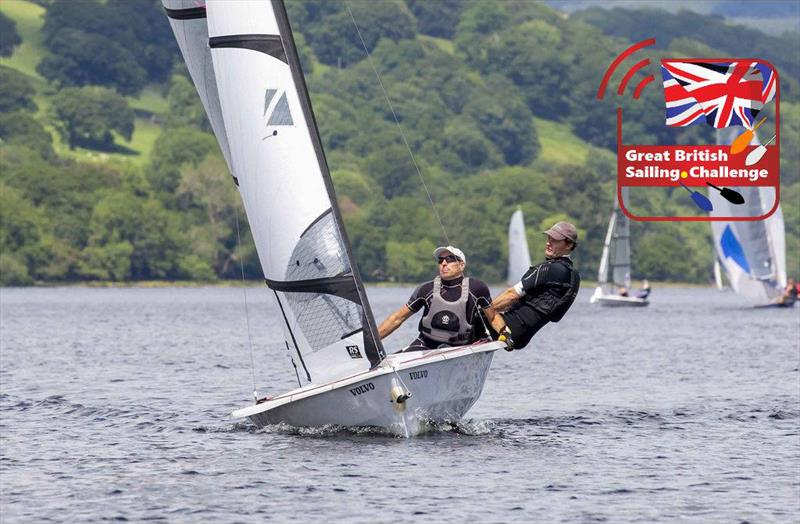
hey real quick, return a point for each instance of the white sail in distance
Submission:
(276, 157)
(752, 253)
(519, 256)
(615, 261)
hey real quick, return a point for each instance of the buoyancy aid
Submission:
(553, 298)
(447, 321)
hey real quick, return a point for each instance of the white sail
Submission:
(752, 253)
(614, 271)
(188, 21)
(519, 256)
(718, 275)
(277, 161)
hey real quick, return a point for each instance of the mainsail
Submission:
(519, 257)
(615, 262)
(248, 68)
(753, 253)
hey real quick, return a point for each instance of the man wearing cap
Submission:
(450, 305)
(544, 294)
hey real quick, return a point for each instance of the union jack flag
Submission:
(721, 94)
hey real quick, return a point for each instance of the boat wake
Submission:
(469, 427)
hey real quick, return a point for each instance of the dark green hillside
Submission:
(109, 171)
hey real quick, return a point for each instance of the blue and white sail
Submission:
(252, 87)
(519, 256)
(752, 253)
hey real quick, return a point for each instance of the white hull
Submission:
(617, 300)
(443, 383)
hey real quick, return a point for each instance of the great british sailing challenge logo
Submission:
(725, 93)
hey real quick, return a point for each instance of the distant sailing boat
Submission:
(519, 257)
(752, 252)
(243, 61)
(614, 272)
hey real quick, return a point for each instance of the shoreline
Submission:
(585, 284)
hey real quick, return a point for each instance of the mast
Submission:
(375, 351)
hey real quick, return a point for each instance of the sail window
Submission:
(319, 258)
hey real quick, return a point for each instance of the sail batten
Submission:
(268, 44)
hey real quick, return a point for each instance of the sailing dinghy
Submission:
(243, 61)
(752, 252)
(615, 263)
(519, 257)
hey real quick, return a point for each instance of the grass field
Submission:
(442, 43)
(559, 145)
(29, 19)
(150, 100)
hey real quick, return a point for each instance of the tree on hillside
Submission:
(140, 229)
(137, 26)
(185, 108)
(437, 18)
(542, 74)
(9, 38)
(506, 120)
(172, 149)
(78, 59)
(335, 40)
(207, 197)
(22, 129)
(479, 24)
(16, 91)
(89, 116)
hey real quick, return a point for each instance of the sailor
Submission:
(544, 294)
(645, 291)
(451, 304)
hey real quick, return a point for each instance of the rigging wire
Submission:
(397, 121)
(246, 309)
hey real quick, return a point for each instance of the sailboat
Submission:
(519, 257)
(243, 61)
(753, 252)
(615, 263)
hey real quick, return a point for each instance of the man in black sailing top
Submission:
(453, 306)
(544, 294)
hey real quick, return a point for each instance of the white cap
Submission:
(454, 250)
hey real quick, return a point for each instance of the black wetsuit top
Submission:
(451, 291)
(526, 316)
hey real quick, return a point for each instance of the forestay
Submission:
(752, 252)
(277, 160)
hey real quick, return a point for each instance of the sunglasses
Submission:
(449, 259)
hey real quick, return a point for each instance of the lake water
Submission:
(114, 405)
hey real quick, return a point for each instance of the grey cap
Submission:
(563, 231)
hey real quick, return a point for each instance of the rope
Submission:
(397, 121)
(246, 309)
